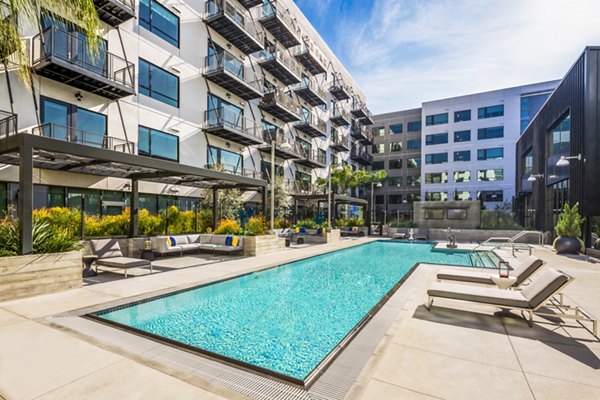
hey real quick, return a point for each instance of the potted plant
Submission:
(568, 229)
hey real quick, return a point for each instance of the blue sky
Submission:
(405, 52)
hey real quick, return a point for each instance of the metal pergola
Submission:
(336, 199)
(29, 151)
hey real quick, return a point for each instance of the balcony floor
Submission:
(279, 111)
(234, 33)
(280, 30)
(233, 84)
(310, 163)
(280, 71)
(310, 96)
(340, 121)
(234, 135)
(339, 93)
(113, 12)
(285, 155)
(310, 129)
(311, 64)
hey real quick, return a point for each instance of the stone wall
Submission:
(24, 276)
(257, 245)
(444, 214)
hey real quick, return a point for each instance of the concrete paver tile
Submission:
(556, 389)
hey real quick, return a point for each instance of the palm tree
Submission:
(18, 13)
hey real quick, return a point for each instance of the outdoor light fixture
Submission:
(174, 189)
(78, 96)
(285, 146)
(564, 161)
(534, 177)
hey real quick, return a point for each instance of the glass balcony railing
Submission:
(234, 170)
(8, 124)
(224, 118)
(235, 24)
(227, 62)
(93, 139)
(281, 24)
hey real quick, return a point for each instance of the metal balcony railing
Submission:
(281, 99)
(281, 24)
(339, 89)
(280, 139)
(238, 27)
(339, 116)
(310, 91)
(274, 58)
(234, 170)
(80, 136)
(314, 156)
(8, 124)
(57, 43)
(361, 155)
(221, 117)
(339, 141)
(312, 59)
(225, 61)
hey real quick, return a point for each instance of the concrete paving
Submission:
(456, 351)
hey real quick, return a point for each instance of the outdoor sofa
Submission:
(401, 234)
(109, 255)
(180, 244)
(351, 231)
(421, 234)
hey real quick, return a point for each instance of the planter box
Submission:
(23, 276)
(257, 245)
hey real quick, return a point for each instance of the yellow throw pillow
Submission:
(235, 241)
(297, 229)
(168, 240)
(354, 229)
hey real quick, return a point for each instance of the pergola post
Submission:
(25, 200)
(134, 209)
(264, 201)
(295, 210)
(215, 195)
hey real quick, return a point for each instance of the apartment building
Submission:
(205, 84)
(397, 149)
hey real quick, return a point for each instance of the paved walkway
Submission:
(456, 351)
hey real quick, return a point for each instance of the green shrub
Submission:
(569, 222)
(256, 226)
(307, 223)
(281, 223)
(45, 238)
(228, 227)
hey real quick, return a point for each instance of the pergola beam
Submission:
(25, 199)
(134, 209)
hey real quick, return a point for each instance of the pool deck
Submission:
(456, 351)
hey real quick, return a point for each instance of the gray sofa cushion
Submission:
(106, 248)
(544, 286)
(180, 239)
(478, 294)
(123, 262)
(205, 239)
(193, 238)
(526, 269)
(189, 246)
(218, 239)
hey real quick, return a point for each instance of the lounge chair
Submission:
(421, 234)
(109, 255)
(401, 234)
(546, 285)
(522, 272)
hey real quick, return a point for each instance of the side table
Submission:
(504, 283)
(87, 263)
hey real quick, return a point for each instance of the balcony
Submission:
(115, 12)
(361, 133)
(250, 3)
(310, 58)
(312, 159)
(312, 125)
(339, 117)
(361, 156)
(339, 142)
(310, 92)
(8, 124)
(339, 89)
(73, 135)
(295, 152)
(368, 120)
(359, 110)
(230, 73)
(235, 24)
(235, 170)
(280, 23)
(63, 57)
(300, 187)
(231, 125)
(280, 105)
(281, 65)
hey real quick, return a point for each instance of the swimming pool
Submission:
(286, 321)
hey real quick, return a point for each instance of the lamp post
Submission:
(373, 184)
(329, 207)
(285, 146)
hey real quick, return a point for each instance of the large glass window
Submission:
(436, 158)
(221, 112)
(394, 181)
(225, 160)
(395, 129)
(159, 20)
(462, 136)
(528, 163)
(395, 199)
(490, 175)
(413, 180)
(72, 123)
(414, 126)
(411, 198)
(491, 195)
(413, 144)
(490, 111)
(155, 143)
(436, 138)
(530, 105)
(159, 84)
(377, 165)
(462, 176)
(490, 133)
(559, 145)
(461, 195)
(464, 115)
(436, 119)
(395, 147)
(91, 203)
(436, 177)
(303, 180)
(436, 196)
(490, 154)
(413, 162)
(379, 131)
(265, 169)
(395, 164)
(464, 155)
(379, 148)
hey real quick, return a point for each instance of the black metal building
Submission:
(565, 131)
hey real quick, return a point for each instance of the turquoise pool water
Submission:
(285, 319)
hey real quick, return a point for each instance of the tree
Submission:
(17, 13)
(283, 199)
(229, 203)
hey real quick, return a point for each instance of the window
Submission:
(436, 196)
(464, 195)
(462, 176)
(490, 133)
(464, 115)
(527, 161)
(434, 213)
(395, 147)
(490, 175)
(379, 148)
(92, 201)
(265, 169)
(395, 199)
(303, 181)
(456, 213)
(436, 177)
(396, 129)
(561, 137)
(490, 111)
(437, 138)
(68, 122)
(377, 165)
(411, 198)
(395, 164)
(413, 162)
(531, 103)
(464, 155)
(462, 136)
(490, 154)
(225, 160)
(159, 20)
(158, 83)
(491, 195)
(379, 131)
(154, 143)
(436, 119)
(223, 113)
(395, 181)
(413, 180)
(414, 126)
(379, 199)
(413, 144)
(436, 158)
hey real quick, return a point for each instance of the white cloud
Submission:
(408, 52)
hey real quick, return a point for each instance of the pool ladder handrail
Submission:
(502, 241)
